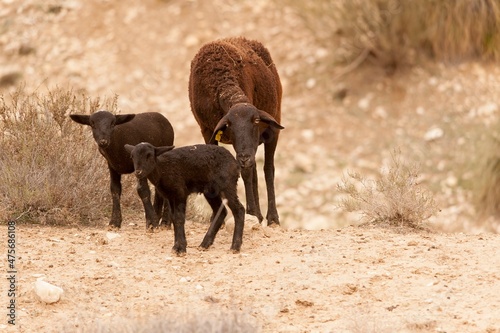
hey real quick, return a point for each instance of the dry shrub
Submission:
(394, 32)
(395, 198)
(486, 179)
(49, 169)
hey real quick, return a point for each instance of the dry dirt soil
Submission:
(320, 271)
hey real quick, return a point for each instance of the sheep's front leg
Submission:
(145, 195)
(249, 176)
(116, 192)
(179, 216)
(272, 213)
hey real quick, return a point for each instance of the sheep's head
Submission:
(102, 124)
(145, 156)
(246, 127)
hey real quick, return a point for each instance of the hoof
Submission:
(179, 252)
(152, 229)
(112, 227)
(273, 224)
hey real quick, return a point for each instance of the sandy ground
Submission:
(317, 273)
(352, 279)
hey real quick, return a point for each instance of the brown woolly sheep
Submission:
(235, 94)
(176, 173)
(111, 133)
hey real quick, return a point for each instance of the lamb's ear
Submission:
(219, 129)
(123, 118)
(129, 148)
(162, 150)
(268, 119)
(80, 118)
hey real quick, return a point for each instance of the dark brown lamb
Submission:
(111, 132)
(176, 173)
(235, 94)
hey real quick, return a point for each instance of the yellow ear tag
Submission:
(218, 135)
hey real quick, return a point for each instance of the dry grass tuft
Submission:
(392, 33)
(395, 198)
(48, 169)
(486, 180)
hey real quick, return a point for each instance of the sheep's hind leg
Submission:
(218, 216)
(162, 208)
(179, 216)
(239, 220)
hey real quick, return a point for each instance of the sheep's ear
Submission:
(129, 148)
(268, 119)
(123, 118)
(80, 118)
(162, 150)
(219, 129)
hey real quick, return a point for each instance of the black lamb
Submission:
(176, 173)
(235, 94)
(111, 133)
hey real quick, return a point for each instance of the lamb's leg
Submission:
(249, 176)
(269, 150)
(167, 214)
(219, 213)
(239, 219)
(179, 216)
(116, 191)
(145, 195)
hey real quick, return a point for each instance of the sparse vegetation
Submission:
(395, 198)
(48, 169)
(486, 184)
(394, 32)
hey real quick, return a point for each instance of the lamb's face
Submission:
(102, 124)
(144, 158)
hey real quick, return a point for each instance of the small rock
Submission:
(112, 235)
(191, 40)
(380, 112)
(488, 109)
(47, 292)
(311, 83)
(364, 103)
(434, 134)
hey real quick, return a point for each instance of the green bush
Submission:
(395, 198)
(50, 170)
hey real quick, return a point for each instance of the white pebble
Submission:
(112, 235)
(47, 292)
(434, 134)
